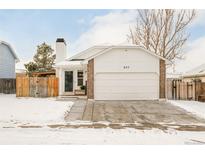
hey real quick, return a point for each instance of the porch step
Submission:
(64, 98)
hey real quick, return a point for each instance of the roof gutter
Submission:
(193, 76)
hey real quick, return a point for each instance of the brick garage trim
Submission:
(162, 79)
(90, 79)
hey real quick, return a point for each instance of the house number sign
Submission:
(126, 67)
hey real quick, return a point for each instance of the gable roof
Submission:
(98, 50)
(11, 49)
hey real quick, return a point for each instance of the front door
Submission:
(68, 81)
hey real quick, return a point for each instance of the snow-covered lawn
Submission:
(34, 111)
(42, 112)
(197, 108)
(98, 136)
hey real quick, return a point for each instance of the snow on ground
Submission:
(98, 136)
(195, 107)
(32, 110)
(43, 111)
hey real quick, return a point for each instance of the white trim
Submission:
(61, 75)
(99, 53)
(108, 48)
(129, 47)
(67, 63)
(193, 75)
(80, 53)
(77, 78)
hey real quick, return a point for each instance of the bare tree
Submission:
(162, 31)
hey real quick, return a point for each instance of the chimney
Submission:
(61, 53)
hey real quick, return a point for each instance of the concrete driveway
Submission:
(147, 114)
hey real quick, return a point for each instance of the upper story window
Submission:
(80, 78)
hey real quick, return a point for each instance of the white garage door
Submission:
(126, 86)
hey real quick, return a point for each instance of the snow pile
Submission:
(32, 110)
(197, 108)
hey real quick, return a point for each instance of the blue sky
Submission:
(25, 29)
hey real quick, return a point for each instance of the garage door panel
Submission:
(127, 89)
(126, 86)
(129, 96)
(123, 83)
(120, 91)
(120, 76)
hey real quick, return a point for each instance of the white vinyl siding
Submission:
(7, 62)
(126, 75)
(137, 60)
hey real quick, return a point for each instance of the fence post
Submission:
(197, 89)
(174, 89)
(187, 91)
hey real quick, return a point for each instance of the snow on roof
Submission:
(10, 47)
(77, 60)
(199, 70)
(88, 52)
(69, 63)
(95, 50)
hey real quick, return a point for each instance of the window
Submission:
(80, 78)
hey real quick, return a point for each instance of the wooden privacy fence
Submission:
(8, 86)
(180, 90)
(36, 86)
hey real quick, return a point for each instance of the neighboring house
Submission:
(195, 74)
(122, 72)
(8, 59)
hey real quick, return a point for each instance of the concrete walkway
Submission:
(152, 112)
(77, 111)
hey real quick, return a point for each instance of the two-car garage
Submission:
(126, 74)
